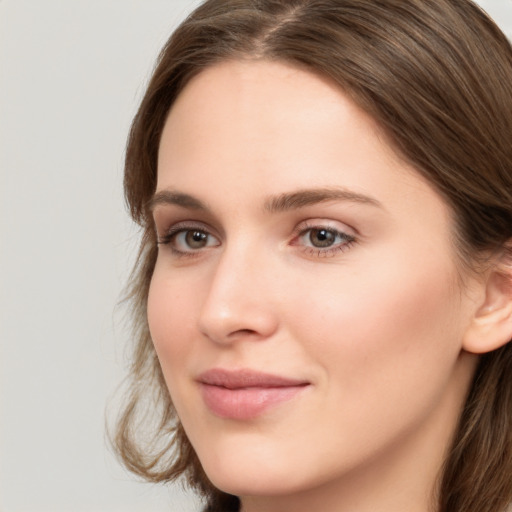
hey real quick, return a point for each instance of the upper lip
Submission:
(246, 378)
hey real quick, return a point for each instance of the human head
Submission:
(421, 71)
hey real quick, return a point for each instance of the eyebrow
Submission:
(171, 197)
(308, 197)
(275, 204)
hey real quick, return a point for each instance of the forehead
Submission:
(251, 129)
(277, 112)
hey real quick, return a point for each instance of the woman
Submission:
(323, 299)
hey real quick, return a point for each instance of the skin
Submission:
(374, 323)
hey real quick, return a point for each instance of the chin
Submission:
(256, 472)
(255, 482)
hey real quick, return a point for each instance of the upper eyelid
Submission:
(167, 215)
(331, 224)
(326, 228)
(184, 225)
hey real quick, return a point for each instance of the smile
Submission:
(246, 394)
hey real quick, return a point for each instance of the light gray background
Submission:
(71, 75)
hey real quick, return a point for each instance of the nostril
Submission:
(242, 333)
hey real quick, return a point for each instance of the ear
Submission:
(491, 325)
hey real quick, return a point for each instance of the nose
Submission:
(239, 302)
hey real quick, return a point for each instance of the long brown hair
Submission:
(437, 76)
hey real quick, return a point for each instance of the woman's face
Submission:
(305, 304)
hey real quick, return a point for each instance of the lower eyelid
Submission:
(329, 252)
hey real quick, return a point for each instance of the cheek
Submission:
(170, 321)
(386, 349)
(388, 325)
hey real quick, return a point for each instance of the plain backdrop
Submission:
(71, 75)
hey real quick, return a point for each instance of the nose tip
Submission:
(234, 320)
(238, 306)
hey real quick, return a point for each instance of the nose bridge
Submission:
(239, 302)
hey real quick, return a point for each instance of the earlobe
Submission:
(491, 326)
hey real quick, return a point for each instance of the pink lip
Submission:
(245, 394)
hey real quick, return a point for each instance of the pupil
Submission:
(321, 237)
(196, 239)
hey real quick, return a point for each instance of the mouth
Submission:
(246, 394)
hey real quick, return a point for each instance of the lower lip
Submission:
(246, 403)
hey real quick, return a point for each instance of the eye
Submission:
(187, 241)
(323, 241)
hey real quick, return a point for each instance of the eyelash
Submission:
(302, 231)
(317, 252)
(182, 228)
